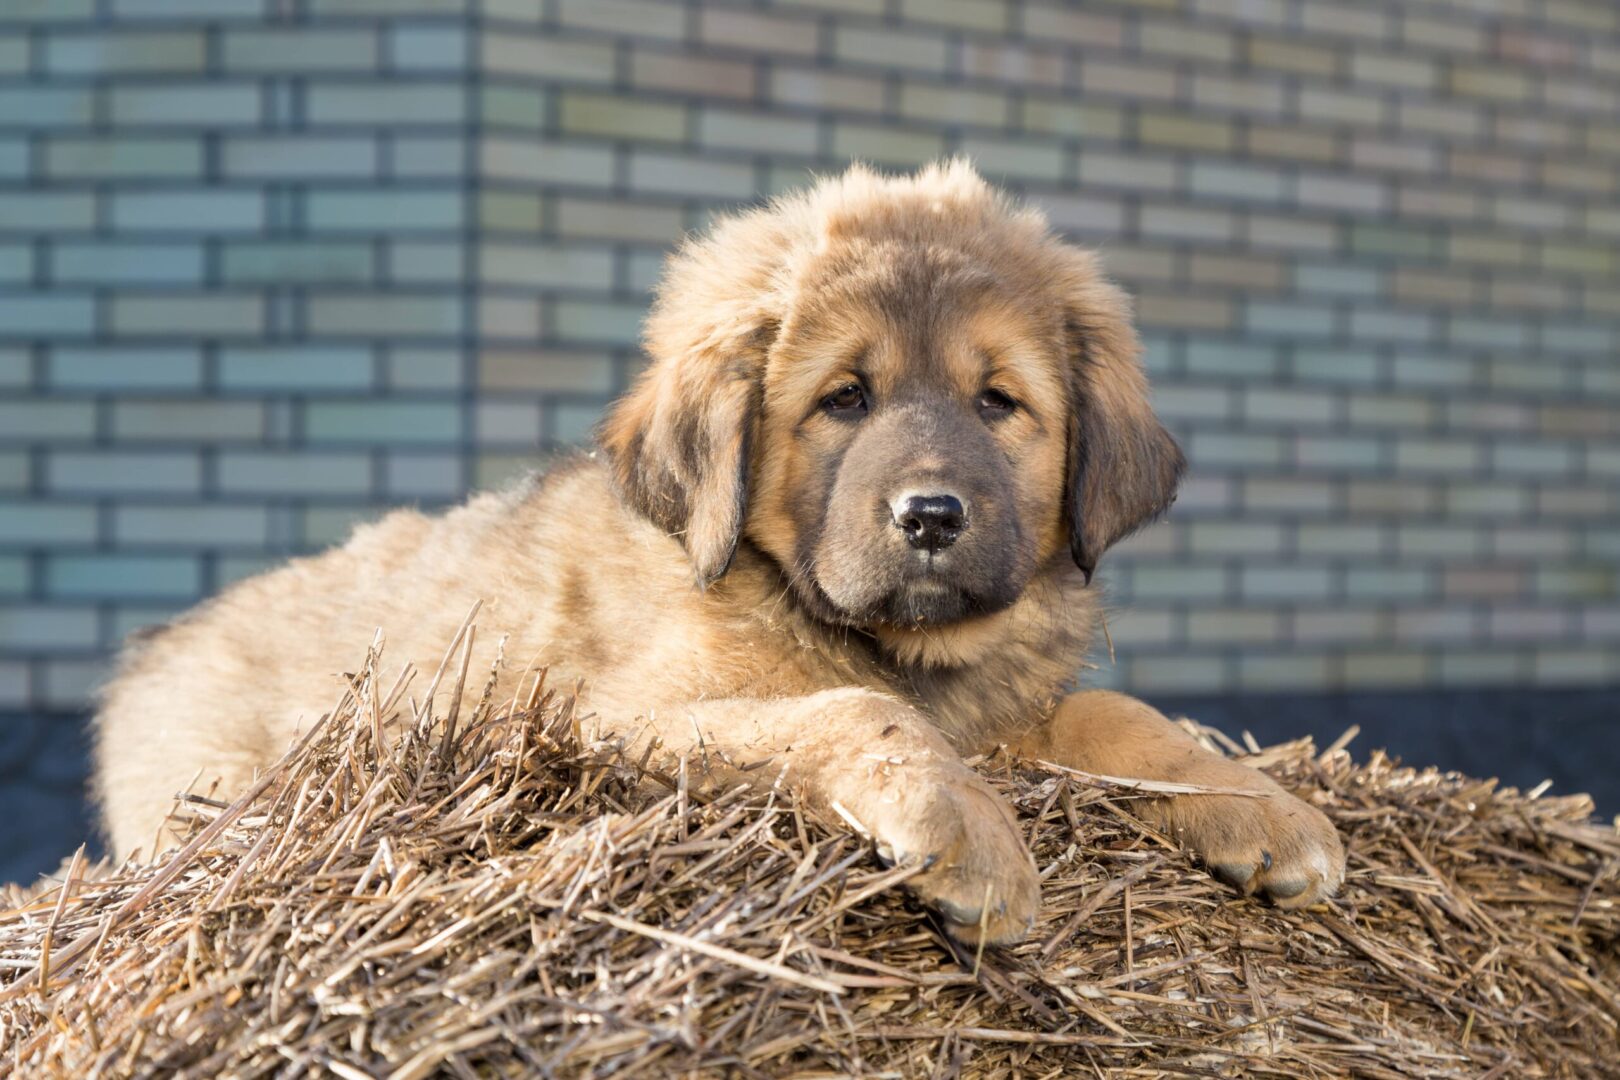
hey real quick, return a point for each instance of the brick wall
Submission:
(269, 265)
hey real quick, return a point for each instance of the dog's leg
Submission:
(1274, 844)
(869, 758)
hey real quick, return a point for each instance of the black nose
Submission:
(930, 521)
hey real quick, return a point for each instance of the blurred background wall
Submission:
(268, 266)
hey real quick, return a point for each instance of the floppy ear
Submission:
(679, 445)
(679, 441)
(1123, 465)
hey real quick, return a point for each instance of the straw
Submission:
(493, 888)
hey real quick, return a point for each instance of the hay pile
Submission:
(497, 893)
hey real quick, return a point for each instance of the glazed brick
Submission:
(953, 104)
(294, 473)
(1341, 106)
(873, 142)
(261, 50)
(123, 157)
(1442, 541)
(795, 35)
(1135, 172)
(385, 315)
(381, 210)
(253, 262)
(638, 18)
(46, 316)
(385, 104)
(428, 48)
(697, 75)
(199, 527)
(547, 266)
(622, 117)
(823, 89)
(300, 156)
(1386, 669)
(1123, 78)
(527, 55)
(47, 523)
(1291, 671)
(1246, 539)
(1016, 64)
(656, 171)
(911, 50)
(1248, 183)
(382, 421)
(1029, 159)
(170, 420)
(1283, 583)
(1345, 20)
(1291, 55)
(1420, 199)
(44, 107)
(983, 15)
(295, 368)
(512, 159)
(1254, 96)
(1063, 22)
(1335, 192)
(1461, 120)
(1338, 453)
(187, 210)
(179, 105)
(739, 129)
(1181, 131)
(1391, 497)
(216, 315)
(1341, 538)
(1233, 626)
(117, 368)
(1291, 234)
(1393, 69)
(1293, 143)
(1222, 450)
(1091, 216)
(1167, 674)
(1303, 497)
(125, 53)
(1176, 38)
(122, 576)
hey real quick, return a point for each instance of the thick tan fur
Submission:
(812, 635)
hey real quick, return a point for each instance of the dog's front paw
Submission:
(978, 872)
(1273, 844)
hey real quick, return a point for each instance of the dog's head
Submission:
(905, 390)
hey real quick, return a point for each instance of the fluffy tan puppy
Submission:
(889, 426)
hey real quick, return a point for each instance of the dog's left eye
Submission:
(848, 400)
(993, 404)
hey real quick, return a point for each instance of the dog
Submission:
(844, 524)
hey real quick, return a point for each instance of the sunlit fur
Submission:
(727, 567)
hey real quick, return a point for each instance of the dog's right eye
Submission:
(845, 402)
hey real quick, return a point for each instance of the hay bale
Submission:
(503, 893)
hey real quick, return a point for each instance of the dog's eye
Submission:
(993, 405)
(848, 400)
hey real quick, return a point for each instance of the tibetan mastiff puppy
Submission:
(846, 521)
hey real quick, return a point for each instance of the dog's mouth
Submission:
(931, 600)
(921, 600)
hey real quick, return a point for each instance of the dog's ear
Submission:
(1124, 467)
(680, 440)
